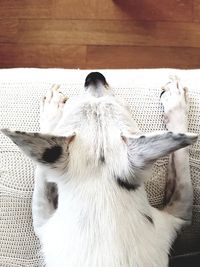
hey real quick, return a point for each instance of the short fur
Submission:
(91, 151)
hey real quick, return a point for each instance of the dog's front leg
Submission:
(45, 196)
(44, 200)
(51, 109)
(179, 192)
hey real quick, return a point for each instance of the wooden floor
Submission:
(100, 33)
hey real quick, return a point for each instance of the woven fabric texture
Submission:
(19, 109)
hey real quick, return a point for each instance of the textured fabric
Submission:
(20, 94)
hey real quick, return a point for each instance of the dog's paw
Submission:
(51, 108)
(174, 98)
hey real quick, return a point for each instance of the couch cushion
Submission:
(20, 94)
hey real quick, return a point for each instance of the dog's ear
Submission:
(145, 149)
(46, 149)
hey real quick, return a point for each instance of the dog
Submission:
(90, 208)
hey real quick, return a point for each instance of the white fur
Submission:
(98, 223)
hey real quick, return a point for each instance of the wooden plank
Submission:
(89, 32)
(42, 56)
(170, 10)
(142, 57)
(8, 29)
(196, 10)
(26, 8)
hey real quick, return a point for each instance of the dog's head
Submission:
(97, 137)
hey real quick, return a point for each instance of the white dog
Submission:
(91, 151)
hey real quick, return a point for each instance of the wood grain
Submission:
(100, 33)
(142, 57)
(108, 33)
(42, 56)
(196, 10)
(26, 8)
(170, 10)
(8, 30)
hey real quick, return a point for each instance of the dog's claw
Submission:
(163, 91)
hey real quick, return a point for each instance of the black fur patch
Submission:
(55, 202)
(126, 185)
(19, 132)
(52, 194)
(149, 218)
(52, 154)
(102, 157)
